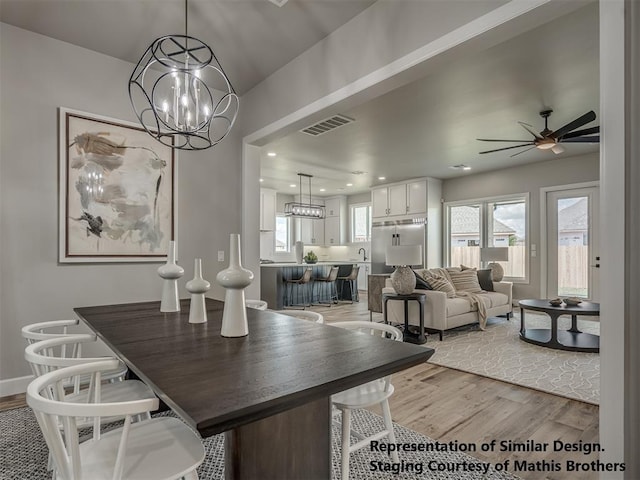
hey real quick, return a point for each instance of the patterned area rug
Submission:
(23, 454)
(499, 353)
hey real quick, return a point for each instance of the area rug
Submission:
(498, 353)
(23, 453)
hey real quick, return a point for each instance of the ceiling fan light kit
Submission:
(181, 95)
(301, 209)
(550, 140)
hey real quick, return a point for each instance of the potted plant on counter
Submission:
(311, 257)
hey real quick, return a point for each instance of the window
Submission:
(283, 233)
(361, 223)
(493, 222)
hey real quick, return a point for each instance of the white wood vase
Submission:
(170, 272)
(235, 279)
(197, 287)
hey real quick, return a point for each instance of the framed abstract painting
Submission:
(117, 191)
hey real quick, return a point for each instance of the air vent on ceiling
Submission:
(327, 125)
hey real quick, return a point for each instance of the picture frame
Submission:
(117, 191)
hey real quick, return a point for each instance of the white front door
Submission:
(572, 243)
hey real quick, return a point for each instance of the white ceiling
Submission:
(251, 38)
(424, 128)
(418, 130)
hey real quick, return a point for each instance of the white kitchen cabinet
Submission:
(363, 275)
(332, 207)
(417, 197)
(335, 223)
(333, 233)
(397, 200)
(379, 202)
(389, 201)
(267, 209)
(404, 198)
(310, 231)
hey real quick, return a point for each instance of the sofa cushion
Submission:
(485, 279)
(465, 281)
(441, 284)
(458, 306)
(494, 299)
(421, 284)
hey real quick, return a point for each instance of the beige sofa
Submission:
(442, 313)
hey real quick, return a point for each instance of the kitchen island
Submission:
(273, 276)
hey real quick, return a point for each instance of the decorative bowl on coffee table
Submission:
(556, 302)
(572, 301)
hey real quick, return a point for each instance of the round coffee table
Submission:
(572, 339)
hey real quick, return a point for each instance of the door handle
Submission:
(597, 265)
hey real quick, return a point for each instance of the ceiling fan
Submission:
(551, 140)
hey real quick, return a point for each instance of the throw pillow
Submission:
(485, 279)
(464, 267)
(441, 284)
(465, 281)
(420, 283)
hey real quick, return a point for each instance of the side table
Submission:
(408, 336)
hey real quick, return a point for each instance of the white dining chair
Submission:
(302, 315)
(36, 332)
(363, 396)
(53, 354)
(161, 448)
(257, 304)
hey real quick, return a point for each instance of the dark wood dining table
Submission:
(269, 391)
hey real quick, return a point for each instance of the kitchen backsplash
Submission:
(325, 254)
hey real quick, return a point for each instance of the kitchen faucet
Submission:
(364, 258)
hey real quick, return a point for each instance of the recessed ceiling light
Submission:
(460, 166)
(293, 185)
(323, 189)
(262, 179)
(382, 178)
(349, 184)
(271, 154)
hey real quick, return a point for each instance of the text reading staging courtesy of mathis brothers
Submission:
(424, 458)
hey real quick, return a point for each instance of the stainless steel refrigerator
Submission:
(400, 232)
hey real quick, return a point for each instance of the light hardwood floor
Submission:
(450, 405)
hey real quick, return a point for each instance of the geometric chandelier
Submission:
(180, 93)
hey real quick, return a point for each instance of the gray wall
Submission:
(38, 75)
(359, 198)
(527, 178)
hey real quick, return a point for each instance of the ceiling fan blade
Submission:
(501, 140)
(507, 148)
(525, 150)
(526, 127)
(579, 133)
(594, 139)
(577, 123)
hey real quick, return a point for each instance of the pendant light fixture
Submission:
(180, 93)
(301, 209)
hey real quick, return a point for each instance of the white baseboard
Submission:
(12, 386)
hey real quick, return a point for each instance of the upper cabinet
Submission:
(267, 209)
(332, 230)
(309, 230)
(405, 198)
(335, 223)
(417, 197)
